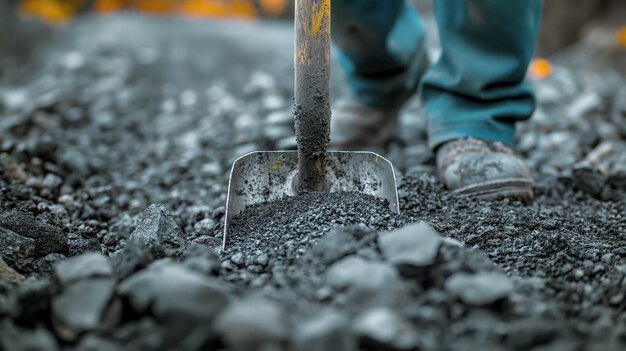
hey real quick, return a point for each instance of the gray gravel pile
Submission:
(115, 147)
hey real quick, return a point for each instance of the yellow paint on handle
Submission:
(321, 10)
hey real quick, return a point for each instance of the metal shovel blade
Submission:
(268, 176)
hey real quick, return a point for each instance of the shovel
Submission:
(265, 176)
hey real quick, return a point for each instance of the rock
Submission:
(131, 258)
(16, 250)
(82, 245)
(367, 284)
(337, 244)
(239, 259)
(327, 330)
(480, 289)
(33, 301)
(588, 178)
(8, 274)
(81, 307)
(46, 263)
(173, 292)
(51, 181)
(18, 339)
(48, 239)
(88, 265)
(202, 259)
(413, 247)
(204, 227)
(11, 168)
(253, 324)
(7, 302)
(382, 329)
(93, 342)
(355, 272)
(158, 229)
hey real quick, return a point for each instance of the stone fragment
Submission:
(81, 307)
(158, 229)
(93, 342)
(16, 250)
(202, 259)
(480, 289)
(11, 168)
(335, 245)
(367, 284)
(204, 227)
(82, 245)
(46, 263)
(253, 324)
(414, 246)
(327, 330)
(88, 265)
(48, 239)
(17, 339)
(172, 291)
(133, 256)
(383, 329)
(8, 274)
(33, 301)
(355, 272)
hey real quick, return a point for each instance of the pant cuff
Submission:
(501, 131)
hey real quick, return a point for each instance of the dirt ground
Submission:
(116, 139)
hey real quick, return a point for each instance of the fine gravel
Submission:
(117, 135)
(306, 217)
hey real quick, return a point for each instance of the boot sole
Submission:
(512, 189)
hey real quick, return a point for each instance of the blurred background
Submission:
(564, 23)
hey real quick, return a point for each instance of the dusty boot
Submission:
(354, 125)
(382, 54)
(484, 169)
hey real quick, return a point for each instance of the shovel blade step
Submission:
(265, 176)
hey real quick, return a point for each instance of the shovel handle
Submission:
(312, 92)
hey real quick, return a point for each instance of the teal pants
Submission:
(476, 88)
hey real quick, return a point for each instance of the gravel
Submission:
(116, 137)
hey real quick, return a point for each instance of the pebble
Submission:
(48, 239)
(8, 274)
(88, 265)
(356, 273)
(383, 329)
(14, 338)
(366, 284)
(253, 325)
(480, 289)
(135, 255)
(168, 289)
(81, 307)
(16, 250)
(414, 246)
(158, 229)
(327, 330)
(204, 227)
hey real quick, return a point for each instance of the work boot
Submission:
(355, 125)
(381, 49)
(484, 169)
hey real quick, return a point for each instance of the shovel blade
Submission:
(268, 176)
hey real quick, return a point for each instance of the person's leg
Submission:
(476, 92)
(477, 88)
(380, 49)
